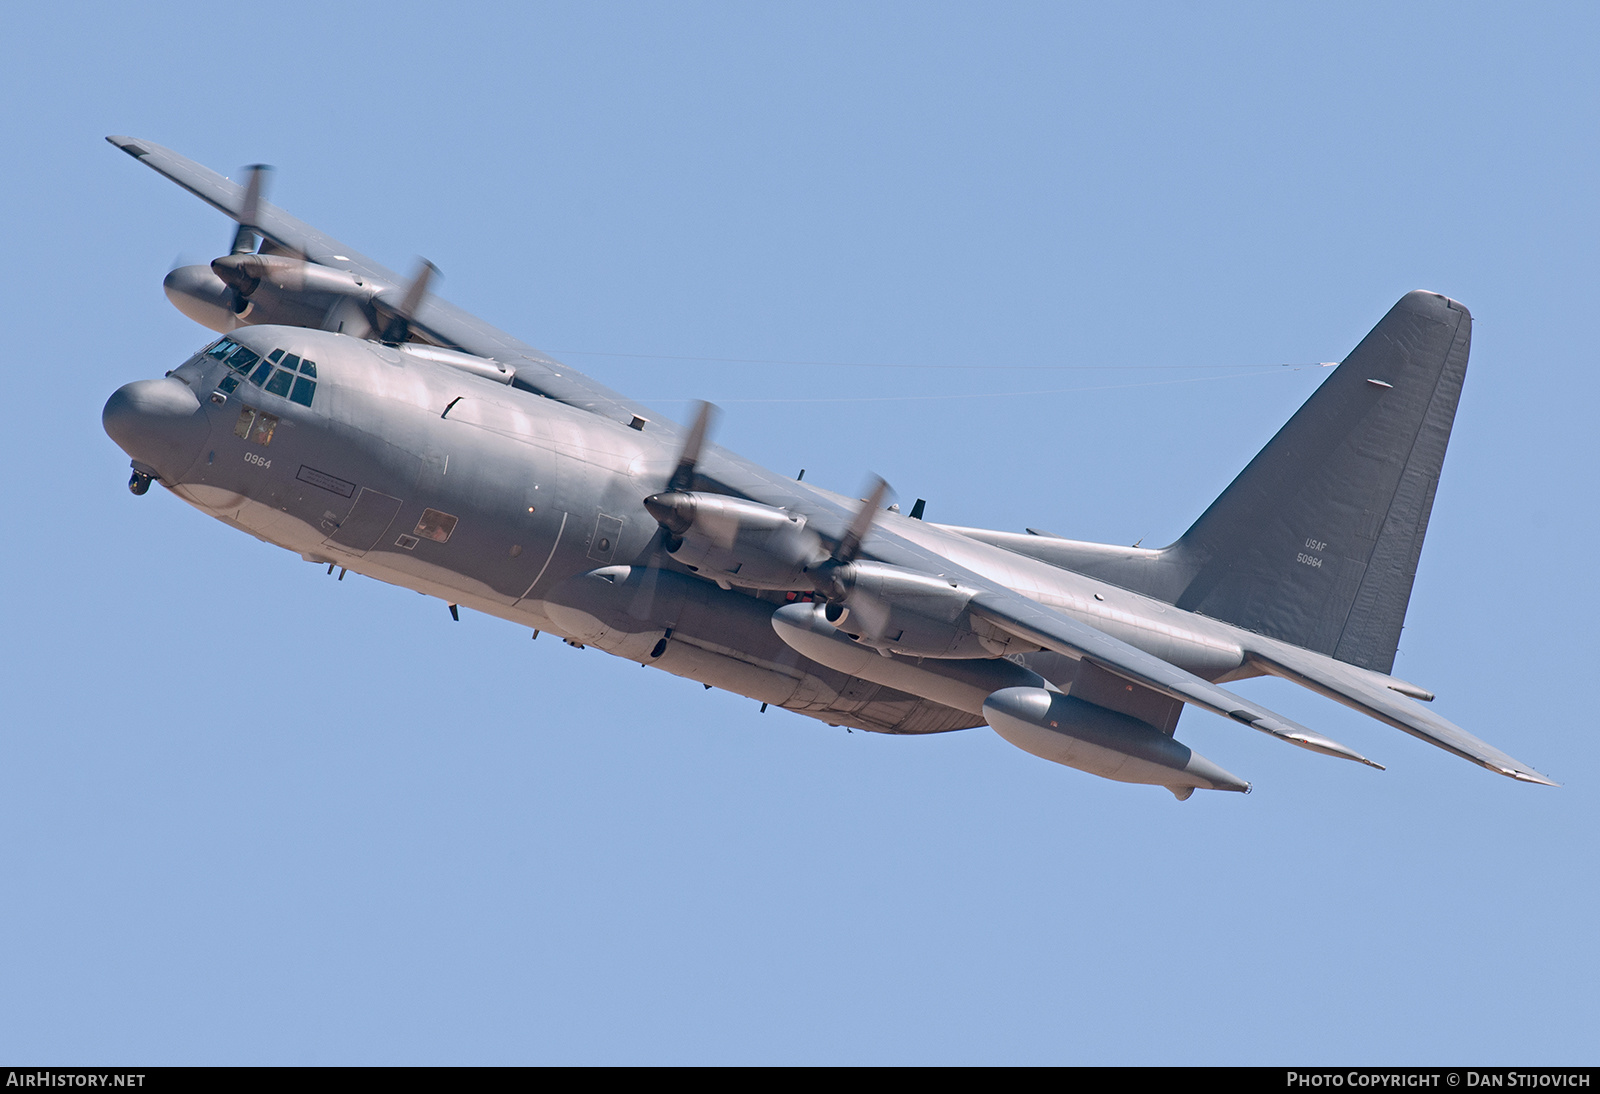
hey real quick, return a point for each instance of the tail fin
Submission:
(1316, 542)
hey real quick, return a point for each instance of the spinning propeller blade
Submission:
(681, 480)
(245, 240)
(683, 477)
(850, 545)
(833, 579)
(399, 327)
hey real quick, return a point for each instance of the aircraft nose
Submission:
(158, 423)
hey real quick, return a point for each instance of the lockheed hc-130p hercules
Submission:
(349, 416)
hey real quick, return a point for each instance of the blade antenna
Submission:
(245, 239)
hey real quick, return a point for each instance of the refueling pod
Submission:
(1102, 742)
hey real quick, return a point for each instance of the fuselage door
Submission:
(369, 518)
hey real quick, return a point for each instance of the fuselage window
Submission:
(291, 362)
(262, 433)
(255, 426)
(229, 384)
(274, 355)
(435, 525)
(263, 370)
(303, 390)
(309, 368)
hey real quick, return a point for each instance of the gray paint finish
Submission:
(537, 478)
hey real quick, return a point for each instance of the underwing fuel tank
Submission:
(1102, 742)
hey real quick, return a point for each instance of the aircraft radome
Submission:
(347, 415)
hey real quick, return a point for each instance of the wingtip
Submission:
(128, 145)
(1529, 777)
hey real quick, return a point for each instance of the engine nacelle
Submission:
(289, 291)
(737, 542)
(904, 611)
(200, 294)
(257, 289)
(1079, 734)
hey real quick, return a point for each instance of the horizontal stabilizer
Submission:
(1373, 694)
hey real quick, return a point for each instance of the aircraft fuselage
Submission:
(433, 478)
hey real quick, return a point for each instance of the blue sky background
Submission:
(251, 814)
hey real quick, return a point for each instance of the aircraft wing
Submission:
(440, 321)
(1043, 626)
(1367, 691)
(227, 197)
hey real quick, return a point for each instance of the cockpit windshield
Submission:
(280, 373)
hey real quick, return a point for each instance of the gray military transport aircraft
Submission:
(351, 417)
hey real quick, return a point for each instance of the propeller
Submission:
(234, 268)
(850, 546)
(398, 328)
(662, 507)
(834, 578)
(683, 476)
(245, 239)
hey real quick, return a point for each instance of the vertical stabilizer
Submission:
(1316, 542)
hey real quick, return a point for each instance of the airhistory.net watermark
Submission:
(36, 1077)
